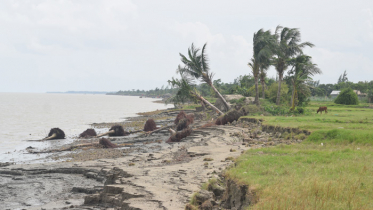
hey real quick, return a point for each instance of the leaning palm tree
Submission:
(302, 71)
(186, 90)
(196, 65)
(254, 65)
(262, 75)
(287, 46)
(263, 42)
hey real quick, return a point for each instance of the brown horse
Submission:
(321, 109)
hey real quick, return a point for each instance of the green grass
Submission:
(193, 106)
(308, 176)
(190, 106)
(331, 169)
(338, 117)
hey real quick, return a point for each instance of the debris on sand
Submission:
(177, 136)
(106, 143)
(116, 130)
(55, 133)
(185, 122)
(88, 133)
(150, 125)
(179, 117)
(230, 116)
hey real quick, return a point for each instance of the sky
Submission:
(111, 45)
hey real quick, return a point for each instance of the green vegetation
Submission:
(308, 176)
(331, 169)
(240, 101)
(348, 97)
(263, 42)
(272, 93)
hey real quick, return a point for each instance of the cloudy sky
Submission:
(110, 45)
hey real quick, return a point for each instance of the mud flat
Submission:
(146, 173)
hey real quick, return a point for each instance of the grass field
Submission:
(331, 169)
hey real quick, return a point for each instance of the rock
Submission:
(91, 175)
(216, 189)
(278, 135)
(84, 190)
(92, 199)
(203, 196)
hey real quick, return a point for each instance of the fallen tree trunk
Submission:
(66, 149)
(156, 131)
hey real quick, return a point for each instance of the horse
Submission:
(321, 109)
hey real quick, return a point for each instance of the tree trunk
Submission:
(221, 97)
(212, 106)
(279, 89)
(107, 133)
(256, 91)
(293, 98)
(263, 92)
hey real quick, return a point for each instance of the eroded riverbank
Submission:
(145, 174)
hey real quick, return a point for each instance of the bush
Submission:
(347, 97)
(300, 110)
(272, 93)
(240, 101)
(277, 110)
(251, 91)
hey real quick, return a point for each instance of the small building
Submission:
(360, 95)
(334, 93)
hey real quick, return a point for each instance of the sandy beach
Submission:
(145, 173)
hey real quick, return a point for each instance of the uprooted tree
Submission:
(187, 91)
(196, 66)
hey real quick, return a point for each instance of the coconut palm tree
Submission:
(197, 66)
(254, 65)
(302, 71)
(187, 90)
(263, 42)
(262, 75)
(287, 46)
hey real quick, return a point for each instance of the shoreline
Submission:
(37, 121)
(146, 173)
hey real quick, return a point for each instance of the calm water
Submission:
(31, 115)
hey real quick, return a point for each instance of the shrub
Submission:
(272, 93)
(300, 110)
(277, 110)
(240, 101)
(347, 97)
(251, 91)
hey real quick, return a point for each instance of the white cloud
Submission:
(199, 32)
(334, 63)
(369, 22)
(228, 54)
(125, 44)
(39, 25)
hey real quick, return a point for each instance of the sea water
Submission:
(30, 116)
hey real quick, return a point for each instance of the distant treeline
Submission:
(83, 92)
(245, 85)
